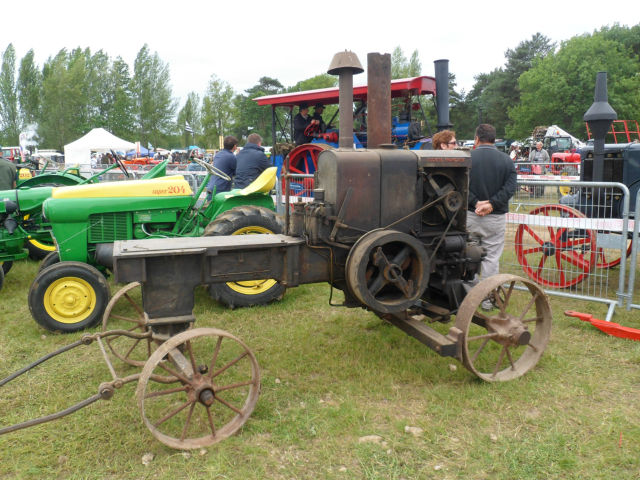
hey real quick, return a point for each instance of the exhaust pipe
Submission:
(345, 65)
(378, 99)
(599, 117)
(441, 68)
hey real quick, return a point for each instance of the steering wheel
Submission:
(121, 165)
(311, 129)
(213, 170)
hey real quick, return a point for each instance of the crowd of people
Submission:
(243, 167)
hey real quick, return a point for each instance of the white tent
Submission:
(97, 140)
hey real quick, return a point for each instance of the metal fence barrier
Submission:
(633, 258)
(300, 190)
(572, 238)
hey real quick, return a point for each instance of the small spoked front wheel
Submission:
(125, 312)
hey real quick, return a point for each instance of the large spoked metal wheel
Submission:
(552, 254)
(124, 312)
(246, 220)
(387, 270)
(507, 342)
(212, 390)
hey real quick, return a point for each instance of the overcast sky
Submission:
(241, 41)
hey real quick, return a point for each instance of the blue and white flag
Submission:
(187, 127)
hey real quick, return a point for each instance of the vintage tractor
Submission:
(70, 292)
(23, 231)
(406, 257)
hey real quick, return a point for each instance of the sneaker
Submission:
(487, 305)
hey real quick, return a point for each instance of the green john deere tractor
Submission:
(23, 230)
(70, 292)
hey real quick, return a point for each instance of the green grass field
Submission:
(331, 379)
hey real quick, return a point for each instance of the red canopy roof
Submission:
(330, 96)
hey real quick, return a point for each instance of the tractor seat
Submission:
(263, 184)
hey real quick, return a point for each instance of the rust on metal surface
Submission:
(345, 65)
(379, 104)
(507, 341)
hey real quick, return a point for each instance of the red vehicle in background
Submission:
(12, 154)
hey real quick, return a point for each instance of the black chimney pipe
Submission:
(441, 68)
(345, 65)
(599, 118)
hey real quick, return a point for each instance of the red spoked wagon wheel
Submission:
(556, 256)
(608, 258)
(303, 160)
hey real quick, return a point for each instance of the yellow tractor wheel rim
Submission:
(42, 246)
(69, 300)
(252, 287)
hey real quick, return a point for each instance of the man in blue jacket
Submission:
(251, 161)
(224, 160)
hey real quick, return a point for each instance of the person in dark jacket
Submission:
(317, 116)
(252, 161)
(225, 160)
(300, 122)
(8, 174)
(492, 182)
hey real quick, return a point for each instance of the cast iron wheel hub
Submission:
(206, 397)
(203, 390)
(509, 329)
(549, 249)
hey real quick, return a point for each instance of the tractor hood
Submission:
(172, 186)
(27, 199)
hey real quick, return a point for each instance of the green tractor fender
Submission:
(51, 180)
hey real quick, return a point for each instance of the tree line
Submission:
(541, 83)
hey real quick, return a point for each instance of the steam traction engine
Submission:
(386, 226)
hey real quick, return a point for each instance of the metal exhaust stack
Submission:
(345, 65)
(441, 68)
(378, 99)
(599, 118)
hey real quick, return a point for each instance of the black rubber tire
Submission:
(81, 280)
(230, 223)
(35, 252)
(1, 278)
(6, 266)
(51, 259)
